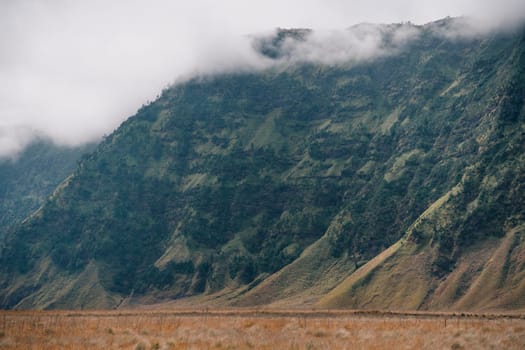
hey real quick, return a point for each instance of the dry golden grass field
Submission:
(257, 329)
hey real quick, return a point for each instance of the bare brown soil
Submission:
(257, 329)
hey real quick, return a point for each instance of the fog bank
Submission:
(72, 71)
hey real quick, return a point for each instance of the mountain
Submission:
(391, 180)
(30, 177)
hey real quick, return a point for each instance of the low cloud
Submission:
(356, 44)
(13, 138)
(73, 71)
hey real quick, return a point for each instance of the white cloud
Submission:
(73, 70)
(353, 45)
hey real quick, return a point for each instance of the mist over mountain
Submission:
(27, 180)
(73, 71)
(381, 166)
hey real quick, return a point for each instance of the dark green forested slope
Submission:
(467, 250)
(225, 181)
(27, 179)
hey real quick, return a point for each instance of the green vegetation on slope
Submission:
(466, 250)
(224, 181)
(28, 179)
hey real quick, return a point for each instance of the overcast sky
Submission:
(74, 70)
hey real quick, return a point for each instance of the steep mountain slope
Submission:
(28, 179)
(466, 251)
(384, 183)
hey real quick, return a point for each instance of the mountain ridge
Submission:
(301, 186)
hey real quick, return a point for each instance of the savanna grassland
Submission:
(257, 329)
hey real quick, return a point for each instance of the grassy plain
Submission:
(257, 329)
